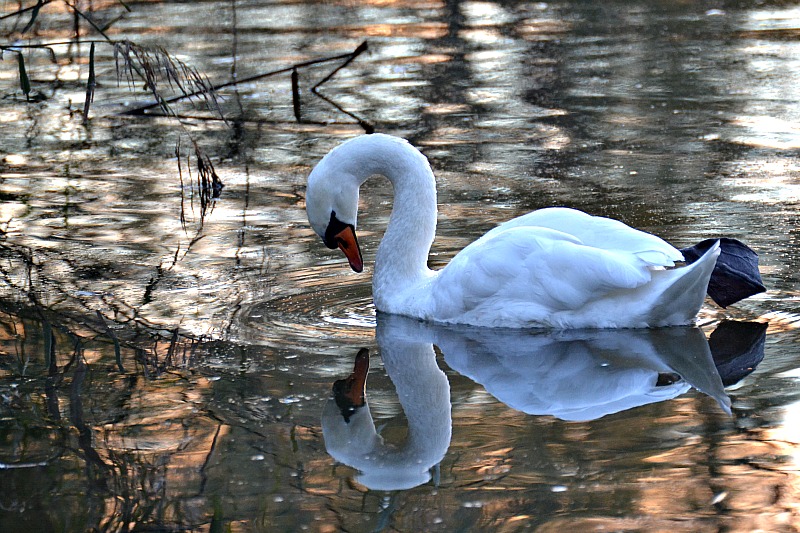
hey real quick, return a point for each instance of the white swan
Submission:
(555, 267)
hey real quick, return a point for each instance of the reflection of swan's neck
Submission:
(403, 252)
(424, 394)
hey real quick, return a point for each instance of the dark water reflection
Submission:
(167, 375)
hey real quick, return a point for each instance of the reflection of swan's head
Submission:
(424, 393)
(350, 394)
(353, 440)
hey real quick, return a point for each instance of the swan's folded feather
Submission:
(527, 264)
(598, 232)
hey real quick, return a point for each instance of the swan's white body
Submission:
(555, 267)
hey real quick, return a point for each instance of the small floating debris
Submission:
(719, 497)
(286, 400)
(472, 505)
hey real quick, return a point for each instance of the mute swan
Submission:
(555, 267)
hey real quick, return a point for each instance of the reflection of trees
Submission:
(94, 414)
(63, 290)
(81, 359)
(64, 418)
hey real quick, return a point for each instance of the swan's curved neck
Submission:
(402, 255)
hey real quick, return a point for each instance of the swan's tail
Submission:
(679, 293)
(735, 276)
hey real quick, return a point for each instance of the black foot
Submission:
(736, 276)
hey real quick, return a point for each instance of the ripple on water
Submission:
(338, 311)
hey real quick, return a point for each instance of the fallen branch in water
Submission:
(293, 70)
(155, 66)
(157, 69)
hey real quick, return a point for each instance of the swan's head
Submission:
(332, 203)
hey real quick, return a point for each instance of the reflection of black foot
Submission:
(735, 276)
(351, 393)
(737, 348)
(667, 378)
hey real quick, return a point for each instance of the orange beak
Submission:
(347, 242)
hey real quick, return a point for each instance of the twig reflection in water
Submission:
(574, 375)
(72, 410)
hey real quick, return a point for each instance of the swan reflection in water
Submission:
(574, 375)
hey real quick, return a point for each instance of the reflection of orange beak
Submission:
(357, 392)
(350, 393)
(347, 242)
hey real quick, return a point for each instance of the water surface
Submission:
(167, 374)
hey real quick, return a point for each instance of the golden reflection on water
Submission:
(769, 132)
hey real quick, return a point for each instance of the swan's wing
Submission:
(536, 268)
(598, 232)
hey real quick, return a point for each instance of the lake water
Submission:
(167, 364)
